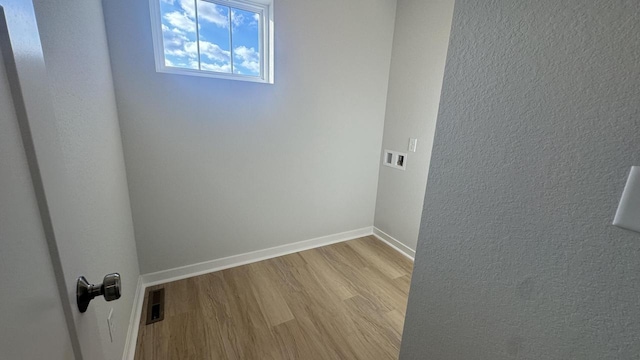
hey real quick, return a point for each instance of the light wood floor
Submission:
(343, 301)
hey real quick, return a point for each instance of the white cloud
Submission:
(193, 64)
(206, 11)
(214, 67)
(176, 52)
(175, 31)
(183, 64)
(174, 42)
(255, 21)
(249, 58)
(189, 8)
(170, 2)
(173, 35)
(238, 19)
(209, 50)
(185, 51)
(181, 21)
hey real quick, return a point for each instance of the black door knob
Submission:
(85, 292)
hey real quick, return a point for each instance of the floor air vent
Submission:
(155, 306)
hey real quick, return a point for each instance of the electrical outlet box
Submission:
(111, 325)
(395, 159)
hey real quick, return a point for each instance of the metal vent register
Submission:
(155, 306)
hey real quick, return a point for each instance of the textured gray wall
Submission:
(538, 125)
(420, 42)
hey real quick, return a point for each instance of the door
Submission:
(33, 321)
(68, 129)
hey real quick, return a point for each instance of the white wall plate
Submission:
(628, 214)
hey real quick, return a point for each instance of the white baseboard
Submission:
(397, 245)
(134, 322)
(206, 267)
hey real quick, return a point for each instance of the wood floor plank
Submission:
(216, 312)
(185, 336)
(254, 337)
(332, 279)
(384, 289)
(396, 317)
(357, 277)
(403, 283)
(298, 340)
(183, 299)
(271, 301)
(376, 259)
(343, 301)
(391, 254)
(325, 311)
(374, 331)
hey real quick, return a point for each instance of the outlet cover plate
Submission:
(628, 214)
(111, 325)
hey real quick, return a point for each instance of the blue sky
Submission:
(215, 21)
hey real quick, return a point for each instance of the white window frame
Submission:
(266, 33)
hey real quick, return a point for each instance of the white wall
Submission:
(420, 44)
(90, 205)
(538, 125)
(218, 168)
(30, 307)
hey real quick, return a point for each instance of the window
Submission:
(231, 39)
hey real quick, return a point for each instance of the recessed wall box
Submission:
(394, 159)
